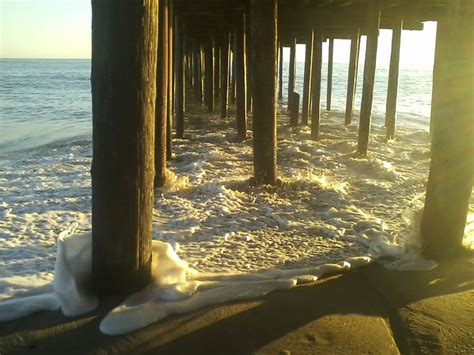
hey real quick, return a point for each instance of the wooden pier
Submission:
(145, 53)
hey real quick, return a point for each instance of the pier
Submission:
(148, 54)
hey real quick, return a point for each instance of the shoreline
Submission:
(366, 310)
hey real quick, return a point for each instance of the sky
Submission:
(62, 29)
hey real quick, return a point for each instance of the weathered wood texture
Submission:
(291, 72)
(169, 122)
(316, 83)
(352, 76)
(233, 86)
(225, 65)
(308, 66)
(295, 109)
(280, 72)
(217, 70)
(124, 50)
(248, 59)
(452, 148)
(210, 59)
(264, 52)
(179, 75)
(330, 70)
(391, 107)
(161, 112)
(373, 19)
(197, 73)
(240, 77)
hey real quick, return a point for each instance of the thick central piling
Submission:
(264, 52)
(123, 142)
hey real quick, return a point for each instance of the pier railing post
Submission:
(352, 76)
(308, 66)
(123, 142)
(391, 107)
(264, 52)
(452, 159)
(373, 23)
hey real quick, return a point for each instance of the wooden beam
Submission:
(123, 119)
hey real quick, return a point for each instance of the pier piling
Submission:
(308, 66)
(123, 143)
(373, 23)
(352, 76)
(264, 33)
(391, 107)
(330, 70)
(316, 84)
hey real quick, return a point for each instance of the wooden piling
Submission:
(391, 107)
(217, 70)
(248, 59)
(308, 66)
(225, 65)
(169, 119)
(197, 73)
(210, 95)
(295, 108)
(161, 112)
(240, 77)
(123, 143)
(352, 76)
(451, 174)
(232, 71)
(179, 74)
(316, 83)
(291, 72)
(264, 51)
(373, 22)
(330, 70)
(280, 72)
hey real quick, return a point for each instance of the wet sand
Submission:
(369, 310)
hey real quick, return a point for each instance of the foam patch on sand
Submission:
(175, 288)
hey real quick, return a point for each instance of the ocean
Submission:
(49, 101)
